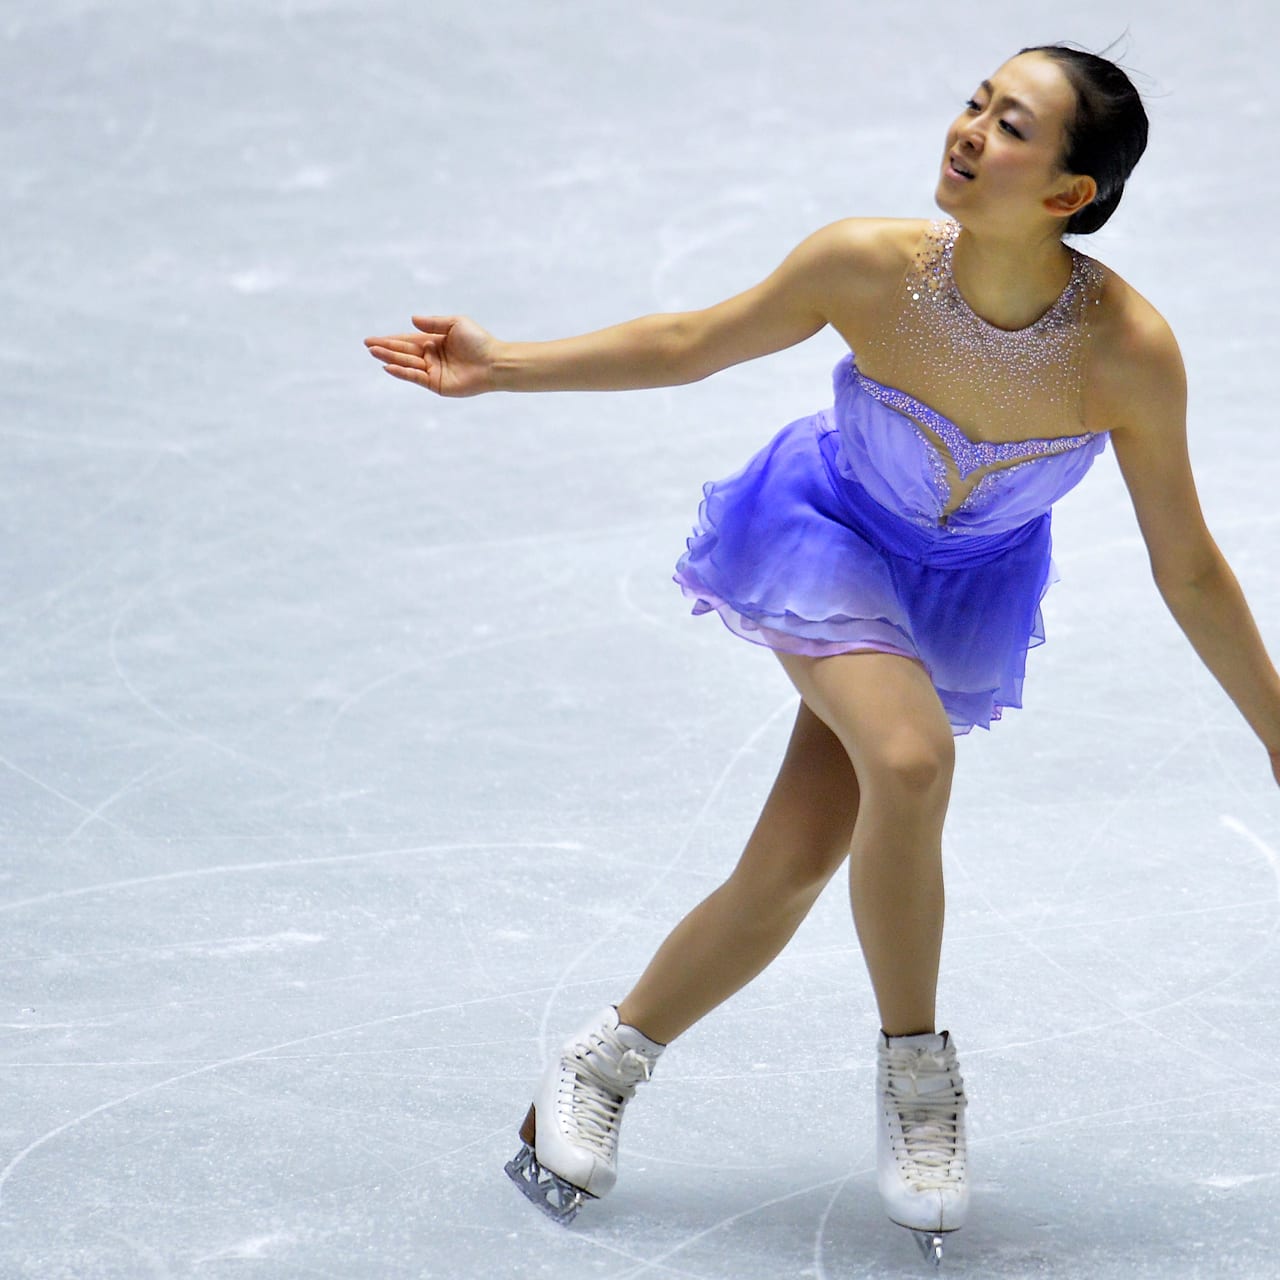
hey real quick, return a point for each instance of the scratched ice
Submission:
(356, 745)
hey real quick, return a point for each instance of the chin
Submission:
(943, 198)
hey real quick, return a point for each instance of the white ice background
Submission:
(355, 744)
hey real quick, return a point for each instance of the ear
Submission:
(1079, 191)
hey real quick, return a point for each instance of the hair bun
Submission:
(1108, 133)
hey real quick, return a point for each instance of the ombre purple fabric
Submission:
(836, 538)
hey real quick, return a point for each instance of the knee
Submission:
(913, 766)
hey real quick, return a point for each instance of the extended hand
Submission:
(450, 355)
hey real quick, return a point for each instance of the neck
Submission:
(1010, 281)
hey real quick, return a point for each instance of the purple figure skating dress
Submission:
(880, 524)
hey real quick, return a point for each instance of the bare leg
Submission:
(801, 837)
(886, 713)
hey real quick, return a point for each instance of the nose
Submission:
(971, 136)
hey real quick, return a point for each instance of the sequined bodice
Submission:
(907, 455)
(945, 378)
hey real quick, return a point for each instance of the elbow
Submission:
(1186, 561)
(1188, 578)
(685, 349)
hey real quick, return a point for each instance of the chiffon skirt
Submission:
(794, 554)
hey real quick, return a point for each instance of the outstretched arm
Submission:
(451, 355)
(1191, 573)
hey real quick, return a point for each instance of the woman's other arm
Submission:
(453, 356)
(1150, 439)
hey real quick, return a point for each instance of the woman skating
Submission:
(893, 551)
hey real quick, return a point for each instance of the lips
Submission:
(959, 167)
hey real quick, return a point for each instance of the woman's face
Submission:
(1004, 151)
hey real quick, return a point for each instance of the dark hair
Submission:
(1108, 133)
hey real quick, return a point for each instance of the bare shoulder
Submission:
(872, 246)
(859, 264)
(1137, 365)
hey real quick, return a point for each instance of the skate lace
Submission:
(929, 1139)
(605, 1075)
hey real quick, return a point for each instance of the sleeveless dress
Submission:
(879, 524)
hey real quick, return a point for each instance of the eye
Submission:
(973, 106)
(1008, 128)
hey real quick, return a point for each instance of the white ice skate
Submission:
(920, 1141)
(570, 1135)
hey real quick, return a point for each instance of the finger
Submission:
(401, 340)
(415, 376)
(434, 324)
(408, 347)
(406, 359)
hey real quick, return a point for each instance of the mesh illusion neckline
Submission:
(1063, 306)
(992, 383)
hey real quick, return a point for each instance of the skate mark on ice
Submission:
(819, 1265)
(1127, 796)
(716, 220)
(1148, 1018)
(186, 733)
(244, 868)
(636, 1153)
(629, 603)
(1176, 1105)
(233, 945)
(252, 1055)
(156, 1265)
(656, 1262)
(1227, 1182)
(50, 595)
(480, 645)
(1237, 827)
(57, 794)
(676, 858)
(1139, 917)
(631, 1255)
(134, 785)
(462, 918)
(252, 1249)
(503, 1131)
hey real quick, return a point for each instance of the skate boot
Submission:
(570, 1135)
(920, 1144)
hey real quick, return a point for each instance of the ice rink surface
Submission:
(356, 744)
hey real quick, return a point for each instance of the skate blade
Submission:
(558, 1199)
(930, 1243)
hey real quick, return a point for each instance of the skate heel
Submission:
(570, 1134)
(558, 1199)
(930, 1243)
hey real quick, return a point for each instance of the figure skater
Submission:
(893, 551)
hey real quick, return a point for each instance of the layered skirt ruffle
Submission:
(794, 554)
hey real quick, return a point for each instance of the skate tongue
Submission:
(925, 1064)
(633, 1038)
(616, 1055)
(639, 1047)
(929, 1041)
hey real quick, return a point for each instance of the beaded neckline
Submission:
(937, 345)
(968, 454)
(1063, 303)
(997, 382)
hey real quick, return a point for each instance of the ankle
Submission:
(626, 1019)
(907, 1030)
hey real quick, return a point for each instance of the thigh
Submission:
(883, 709)
(806, 826)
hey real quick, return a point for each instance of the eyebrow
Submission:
(1016, 103)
